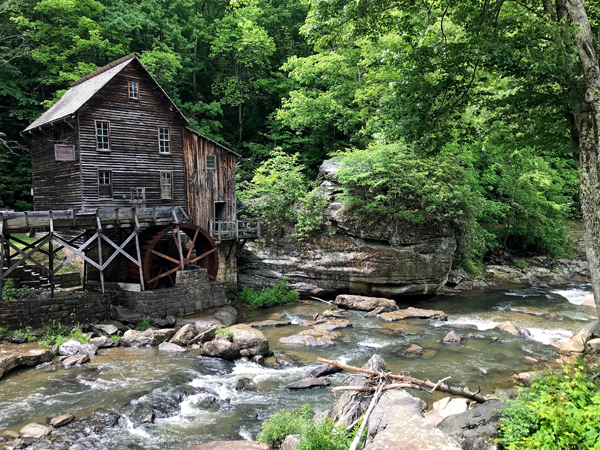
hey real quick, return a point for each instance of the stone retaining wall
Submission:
(192, 293)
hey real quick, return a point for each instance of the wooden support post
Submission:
(139, 258)
(51, 254)
(1, 262)
(237, 230)
(220, 223)
(180, 248)
(258, 227)
(99, 225)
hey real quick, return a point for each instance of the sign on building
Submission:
(64, 152)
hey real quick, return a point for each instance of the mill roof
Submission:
(82, 90)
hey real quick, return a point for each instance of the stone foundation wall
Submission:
(193, 293)
(76, 308)
(228, 251)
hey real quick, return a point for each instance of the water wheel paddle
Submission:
(163, 254)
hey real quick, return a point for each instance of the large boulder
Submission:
(396, 423)
(35, 430)
(309, 383)
(246, 341)
(152, 338)
(223, 317)
(184, 335)
(104, 342)
(74, 347)
(362, 303)
(413, 313)
(475, 429)
(12, 355)
(381, 259)
(311, 338)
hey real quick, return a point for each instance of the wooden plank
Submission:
(26, 256)
(77, 252)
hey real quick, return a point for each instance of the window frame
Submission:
(214, 158)
(159, 140)
(96, 122)
(111, 183)
(137, 90)
(161, 184)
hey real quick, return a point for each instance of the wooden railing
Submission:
(222, 230)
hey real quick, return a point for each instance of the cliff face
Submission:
(350, 257)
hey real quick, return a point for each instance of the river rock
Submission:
(105, 329)
(134, 338)
(10, 435)
(230, 445)
(590, 302)
(332, 313)
(451, 337)
(460, 326)
(508, 327)
(526, 378)
(325, 369)
(593, 345)
(590, 331)
(170, 347)
(573, 347)
(362, 303)
(413, 313)
(269, 323)
(74, 347)
(449, 406)
(333, 325)
(309, 383)
(75, 360)
(414, 349)
(61, 420)
(35, 430)
(470, 336)
(475, 429)
(246, 341)
(529, 360)
(104, 342)
(286, 359)
(311, 338)
(185, 334)
(291, 442)
(245, 384)
(227, 315)
(396, 423)
(375, 312)
(13, 355)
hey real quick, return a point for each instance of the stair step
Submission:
(32, 284)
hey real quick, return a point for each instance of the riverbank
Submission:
(196, 399)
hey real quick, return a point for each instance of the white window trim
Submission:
(96, 135)
(159, 141)
(129, 90)
(161, 185)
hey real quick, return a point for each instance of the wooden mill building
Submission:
(115, 142)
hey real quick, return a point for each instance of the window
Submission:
(211, 162)
(102, 136)
(164, 140)
(220, 210)
(133, 90)
(166, 184)
(105, 189)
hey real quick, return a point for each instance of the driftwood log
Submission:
(407, 382)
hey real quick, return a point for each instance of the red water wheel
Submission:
(163, 250)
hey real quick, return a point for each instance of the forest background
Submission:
(453, 112)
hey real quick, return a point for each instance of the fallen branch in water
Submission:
(414, 383)
(321, 300)
(361, 430)
(371, 389)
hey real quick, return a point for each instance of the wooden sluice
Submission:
(93, 227)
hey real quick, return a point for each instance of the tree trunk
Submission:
(587, 118)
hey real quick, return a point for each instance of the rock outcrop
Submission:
(246, 342)
(362, 303)
(413, 313)
(384, 259)
(151, 338)
(12, 355)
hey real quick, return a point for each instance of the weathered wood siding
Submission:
(134, 157)
(207, 186)
(56, 184)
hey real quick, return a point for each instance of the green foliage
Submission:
(560, 411)
(8, 291)
(26, 333)
(279, 294)
(310, 215)
(115, 338)
(225, 331)
(279, 425)
(144, 325)
(325, 435)
(56, 333)
(520, 264)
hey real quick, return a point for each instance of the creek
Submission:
(178, 387)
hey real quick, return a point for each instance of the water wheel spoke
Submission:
(154, 252)
(189, 255)
(203, 255)
(162, 275)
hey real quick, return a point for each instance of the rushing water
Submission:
(137, 381)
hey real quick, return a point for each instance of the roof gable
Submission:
(82, 90)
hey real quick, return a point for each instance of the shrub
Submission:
(226, 331)
(279, 425)
(57, 334)
(115, 338)
(8, 291)
(279, 294)
(144, 325)
(560, 411)
(324, 435)
(519, 263)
